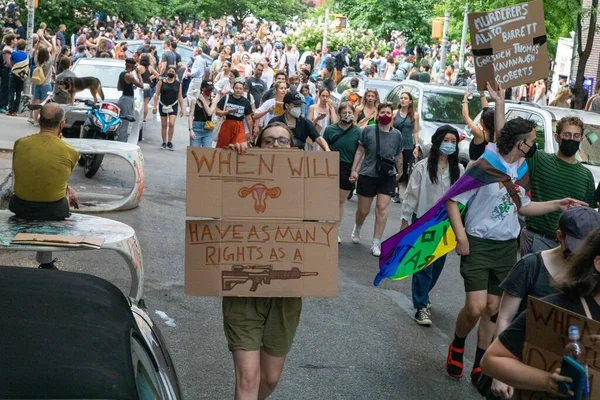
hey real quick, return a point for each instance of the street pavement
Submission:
(362, 345)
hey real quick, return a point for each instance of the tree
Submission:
(584, 52)
(270, 10)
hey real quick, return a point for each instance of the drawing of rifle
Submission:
(258, 274)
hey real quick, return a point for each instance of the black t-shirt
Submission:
(357, 57)
(247, 45)
(185, 39)
(256, 87)
(304, 129)
(241, 107)
(476, 150)
(513, 337)
(529, 277)
(340, 61)
(126, 88)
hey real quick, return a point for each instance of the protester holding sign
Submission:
(429, 180)
(580, 294)
(487, 240)
(260, 330)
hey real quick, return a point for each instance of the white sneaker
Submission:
(376, 249)
(339, 240)
(355, 235)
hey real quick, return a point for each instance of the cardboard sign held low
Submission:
(283, 184)
(261, 258)
(546, 337)
(509, 45)
(58, 240)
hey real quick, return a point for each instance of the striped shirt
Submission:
(552, 179)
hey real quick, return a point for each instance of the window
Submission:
(108, 74)
(394, 96)
(540, 134)
(343, 86)
(447, 107)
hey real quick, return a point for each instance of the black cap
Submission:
(207, 85)
(576, 224)
(442, 131)
(293, 98)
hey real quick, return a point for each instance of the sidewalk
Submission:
(13, 128)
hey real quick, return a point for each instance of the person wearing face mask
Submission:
(430, 179)
(486, 241)
(300, 126)
(343, 137)
(169, 96)
(377, 166)
(203, 107)
(41, 193)
(127, 80)
(554, 176)
(536, 274)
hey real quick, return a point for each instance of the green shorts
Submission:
(488, 264)
(270, 323)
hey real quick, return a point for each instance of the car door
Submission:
(339, 91)
(394, 96)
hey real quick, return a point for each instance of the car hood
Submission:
(430, 127)
(110, 94)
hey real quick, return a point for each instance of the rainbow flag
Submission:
(431, 236)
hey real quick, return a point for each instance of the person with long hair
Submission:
(390, 68)
(272, 107)
(44, 61)
(406, 120)
(236, 63)
(562, 98)
(579, 293)
(376, 166)
(149, 76)
(203, 107)
(322, 113)
(538, 274)
(365, 114)
(234, 108)
(430, 179)
(343, 137)
(260, 331)
(483, 133)
(169, 95)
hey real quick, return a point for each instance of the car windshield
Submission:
(447, 107)
(108, 74)
(185, 53)
(589, 150)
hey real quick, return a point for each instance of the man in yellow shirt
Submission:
(42, 165)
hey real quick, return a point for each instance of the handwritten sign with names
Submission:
(509, 45)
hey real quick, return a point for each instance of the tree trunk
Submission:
(584, 53)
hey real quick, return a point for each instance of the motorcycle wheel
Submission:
(92, 164)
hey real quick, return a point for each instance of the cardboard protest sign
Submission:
(261, 258)
(39, 239)
(509, 45)
(546, 337)
(287, 184)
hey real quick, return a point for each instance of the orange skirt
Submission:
(231, 132)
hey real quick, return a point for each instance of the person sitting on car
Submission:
(42, 164)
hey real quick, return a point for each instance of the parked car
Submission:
(436, 105)
(66, 335)
(383, 87)
(186, 52)
(546, 119)
(108, 71)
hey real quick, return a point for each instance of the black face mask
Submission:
(568, 147)
(531, 150)
(171, 75)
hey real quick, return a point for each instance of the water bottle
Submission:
(575, 350)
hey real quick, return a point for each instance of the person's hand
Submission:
(192, 135)
(181, 112)
(403, 224)
(462, 247)
(502, 390)
(466, 95)
(154, 110)
(73, 199)
(568, 202)
(552, 384)
(321, 116)
(239, 148)
(416, 153)
(495, 95)
(353, 176)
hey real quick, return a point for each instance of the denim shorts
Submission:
(40, 92)
(204, 138)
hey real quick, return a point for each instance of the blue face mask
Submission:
(447, 148)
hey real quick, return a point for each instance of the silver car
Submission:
(108, 71)
(383, 87)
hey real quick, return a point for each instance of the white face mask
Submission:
(347, 117)
(295, 112)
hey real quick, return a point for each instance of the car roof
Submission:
(101, 61)
(64, 335)
(561, 112)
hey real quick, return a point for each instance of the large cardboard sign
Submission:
(282, 184)
(261, 258)
(509, 45)
(547, 336)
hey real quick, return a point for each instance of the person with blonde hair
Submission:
(562, 98)
(366, 112)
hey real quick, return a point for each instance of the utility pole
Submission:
(442, 73)
(463, 38)
(30, 23)
(325, 29)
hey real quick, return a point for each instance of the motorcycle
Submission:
(103, 122)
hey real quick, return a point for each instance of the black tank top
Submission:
(127, 87)
(146, 76)
(200, 113)
(169, 92)
(476, 150)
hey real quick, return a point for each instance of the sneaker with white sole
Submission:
(376, 249)
(355, 235)
(422, 317)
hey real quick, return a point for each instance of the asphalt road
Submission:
(362, 345)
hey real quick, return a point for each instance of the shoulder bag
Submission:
(338, 137)
(383, 166)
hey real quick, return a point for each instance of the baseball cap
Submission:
(576, 224)
(293, 98)
(207, 85)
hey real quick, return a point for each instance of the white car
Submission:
(108, 71)
(546, 119)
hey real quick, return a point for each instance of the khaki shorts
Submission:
(488, 264)
(270, 323)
